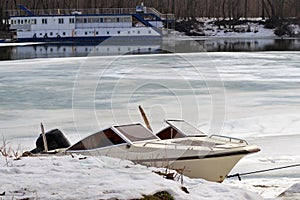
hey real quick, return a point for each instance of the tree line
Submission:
(184, 9)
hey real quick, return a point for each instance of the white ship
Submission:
(93, 25)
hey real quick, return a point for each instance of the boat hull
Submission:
(211, 169)
(95, 40)
(194, 164)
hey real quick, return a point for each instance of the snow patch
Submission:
(100, 178)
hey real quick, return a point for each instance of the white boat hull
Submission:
(198, 163)
(211, 169)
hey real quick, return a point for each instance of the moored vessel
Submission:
(93, 25)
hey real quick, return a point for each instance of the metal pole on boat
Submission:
(145, 118)
(44, 138)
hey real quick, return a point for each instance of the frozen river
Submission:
(250, 95)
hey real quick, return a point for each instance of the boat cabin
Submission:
(115, 135)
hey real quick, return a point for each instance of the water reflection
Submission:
(234, 45)
(55, 50)
(26, 51)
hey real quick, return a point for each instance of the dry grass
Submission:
(8, 153)
(158, 196)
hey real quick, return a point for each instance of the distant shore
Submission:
(255, 27)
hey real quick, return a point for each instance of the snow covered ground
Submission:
(99, 178)
(250, 28)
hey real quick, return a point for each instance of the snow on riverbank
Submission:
(99, 178)
(244, 28)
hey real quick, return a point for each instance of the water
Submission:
(41, 50)
(252, 95)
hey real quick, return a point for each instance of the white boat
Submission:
(180, 147)
(94, 25)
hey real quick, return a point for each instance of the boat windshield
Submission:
(136, 132)
(104, 138)
(185, 128)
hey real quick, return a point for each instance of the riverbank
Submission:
(253, 27)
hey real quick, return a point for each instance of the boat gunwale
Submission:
(180, 158)
(95, 149)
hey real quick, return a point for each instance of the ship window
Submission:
(119, 32)
(86, 33)
(51, 33)
(61, 20)
(25, 21)
(110, 19)
(33, 21)
(19, 21)
(71, 20)
(128, 32)
(149, 32)
(138, 32)
(64, 33)
(44, 21)
(127, 19)
(101, 20)
(85, 20)
(107, 32)
(118, 19)
(41, 33)
(97, 33)
(95, 20)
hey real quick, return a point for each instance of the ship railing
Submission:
(90, 11)
(76, 11)
(229, 139)
(161, 15)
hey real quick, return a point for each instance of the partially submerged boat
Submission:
(179, 146)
